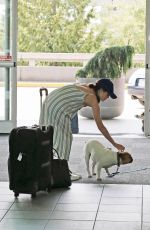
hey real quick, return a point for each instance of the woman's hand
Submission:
(120, 148)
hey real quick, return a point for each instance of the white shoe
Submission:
(75, 176)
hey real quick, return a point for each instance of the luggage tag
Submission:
(20, 157)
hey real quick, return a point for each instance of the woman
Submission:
(61, 105)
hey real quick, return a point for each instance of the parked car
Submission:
(136, 83)
(136, 87)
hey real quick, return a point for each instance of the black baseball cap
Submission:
(107, 85)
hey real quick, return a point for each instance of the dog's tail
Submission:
(87, 157)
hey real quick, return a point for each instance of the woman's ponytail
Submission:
(92, 86)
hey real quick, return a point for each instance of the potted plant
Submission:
(109, 63)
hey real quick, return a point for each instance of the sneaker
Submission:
(75, 176)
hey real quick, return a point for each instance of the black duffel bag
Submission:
(61, 175)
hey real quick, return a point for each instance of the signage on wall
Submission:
(5, 57)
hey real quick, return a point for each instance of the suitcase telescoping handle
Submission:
(43, 89)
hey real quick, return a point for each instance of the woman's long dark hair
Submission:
(97, 86)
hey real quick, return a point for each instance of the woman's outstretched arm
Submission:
(100, 125)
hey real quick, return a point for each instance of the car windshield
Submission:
(140, 82)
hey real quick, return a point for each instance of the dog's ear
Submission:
(122, 156)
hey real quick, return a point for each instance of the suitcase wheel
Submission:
(33, 195)
(16, 194)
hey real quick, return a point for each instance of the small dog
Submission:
(103, 158)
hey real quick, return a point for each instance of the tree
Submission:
(127, 24)
(76, 26)
(52, 26)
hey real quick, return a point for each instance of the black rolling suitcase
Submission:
(29, 162)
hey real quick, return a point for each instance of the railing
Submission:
(33, 71)
(32, 58)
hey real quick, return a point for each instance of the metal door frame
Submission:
(147, 77)
(11, 120)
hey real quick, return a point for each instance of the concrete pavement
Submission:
(82, 207)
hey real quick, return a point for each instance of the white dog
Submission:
(103, 158)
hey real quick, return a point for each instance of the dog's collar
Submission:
(118, 159)
(118, 165)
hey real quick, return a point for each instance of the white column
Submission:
(147, 79)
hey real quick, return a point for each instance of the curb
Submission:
(45, 84)
(42, 84)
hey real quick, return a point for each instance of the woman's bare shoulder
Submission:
(90, 97)
(83, 87)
